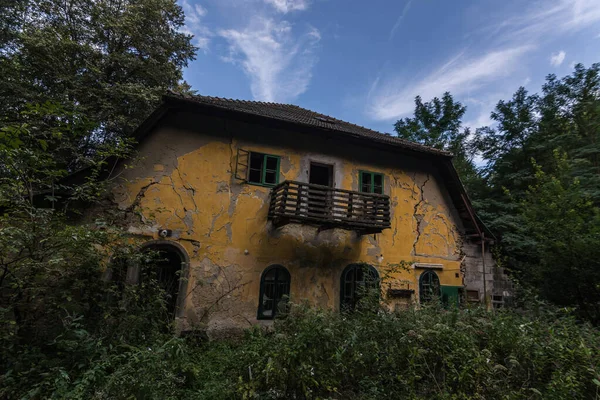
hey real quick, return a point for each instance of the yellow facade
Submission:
(186, 182)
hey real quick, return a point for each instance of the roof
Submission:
(301, 116)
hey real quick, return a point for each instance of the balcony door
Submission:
(320, 202)
(321, 174)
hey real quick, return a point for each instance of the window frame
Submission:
(278, 269)
(263, 172)
(432, 297)
(372, 188)
(367, 269)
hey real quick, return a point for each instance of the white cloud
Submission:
(557, 58)
(405, 10)
(548, 18)
(459, 75)
(507, 43)
(194, 25)
(278, 63)
(285, 6)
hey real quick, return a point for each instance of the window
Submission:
(274, 291)
(371, 182)
(321, 174)
(429, 287)
(498, 301)
(263, 169)
(473, 296)
(357, 279)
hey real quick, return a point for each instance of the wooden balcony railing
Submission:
(328, 207)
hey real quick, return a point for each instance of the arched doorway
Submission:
(169, 265)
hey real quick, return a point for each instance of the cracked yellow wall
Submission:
(186, 182)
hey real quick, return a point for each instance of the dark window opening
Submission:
(357, 280)
(321, 174)
(429, 287)
(498, 301)
(371, 182)
(263, 169)
(473, 296)
(274, 292)
(166, 264)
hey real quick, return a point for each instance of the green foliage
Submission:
(436, 123)
(312, 354)
(56, 313)
(545, 212)
(564, 225)
(108, 60)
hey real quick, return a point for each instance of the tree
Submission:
(438, 124)
(57, 314)
(565, 227)
(542, 211)
(108, 59)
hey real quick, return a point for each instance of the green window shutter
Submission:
(360, 180)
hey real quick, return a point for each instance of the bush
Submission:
(320, 354)
(429, 353)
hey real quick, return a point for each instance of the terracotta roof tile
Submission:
(301, 116)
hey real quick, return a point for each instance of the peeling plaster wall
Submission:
(186, 182)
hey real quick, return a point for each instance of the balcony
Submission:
(327, 208)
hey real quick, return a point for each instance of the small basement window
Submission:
(263, 169)
(473, 296)
(371, 182)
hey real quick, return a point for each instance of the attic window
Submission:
(324, 119)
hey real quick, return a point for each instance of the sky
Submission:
(365, 61)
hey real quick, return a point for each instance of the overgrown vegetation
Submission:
(429, 353)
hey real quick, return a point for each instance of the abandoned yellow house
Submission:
(252, 203)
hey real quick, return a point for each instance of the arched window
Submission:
(429, 286)
(274, 291)
(356, 280)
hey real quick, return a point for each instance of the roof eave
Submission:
(173, 101)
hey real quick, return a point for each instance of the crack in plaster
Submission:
(189, 188)
(214, 220)
(140, 196)
(419, 217)
(228, 231)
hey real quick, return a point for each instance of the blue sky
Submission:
(365, 61)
